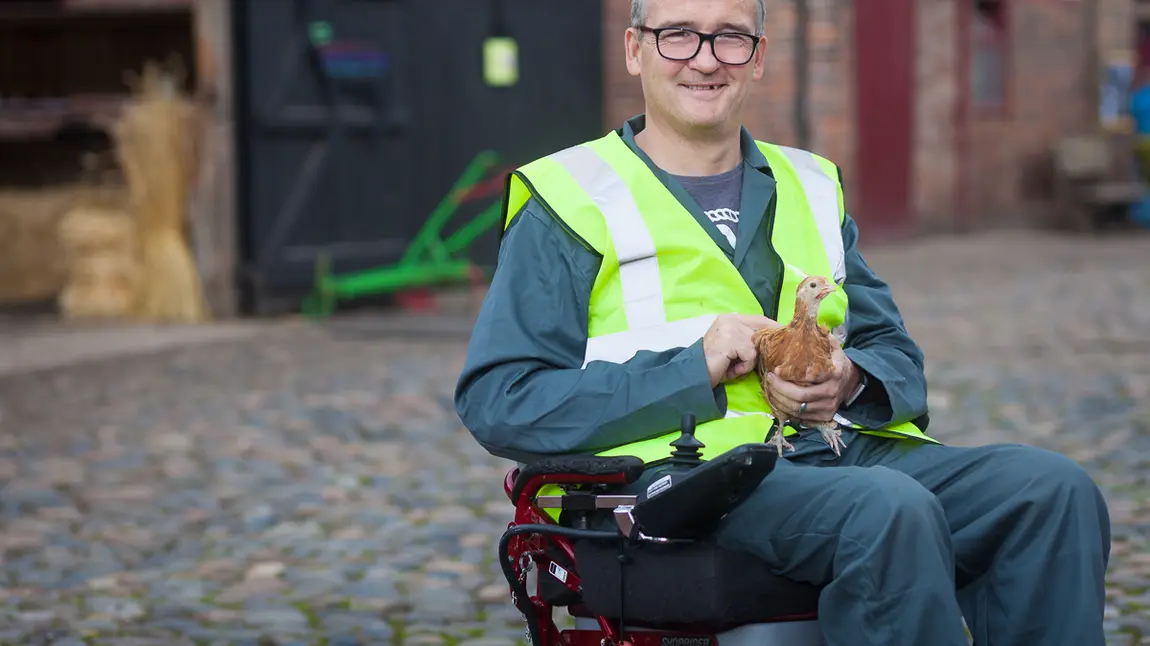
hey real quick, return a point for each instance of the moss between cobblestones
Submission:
(398, 629)
(314, 621)
(1134, 633)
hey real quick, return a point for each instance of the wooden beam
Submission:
(213, 200)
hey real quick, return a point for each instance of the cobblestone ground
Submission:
(300, 488)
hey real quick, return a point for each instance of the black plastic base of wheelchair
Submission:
(727, 588)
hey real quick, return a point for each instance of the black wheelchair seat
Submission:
(688, 586)
(662, 568)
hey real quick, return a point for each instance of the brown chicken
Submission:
(801, 353)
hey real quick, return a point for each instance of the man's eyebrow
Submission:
(730, 26)
(724, 26)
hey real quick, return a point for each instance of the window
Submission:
(989, 47)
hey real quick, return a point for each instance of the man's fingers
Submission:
(756, 322)
(822, 390)
(788, 397)
(786, 388)
(820, 410)
(739, 368)
(787, 403)
(783, 404)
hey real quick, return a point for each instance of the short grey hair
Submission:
(639, 14)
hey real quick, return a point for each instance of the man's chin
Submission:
(704, 119)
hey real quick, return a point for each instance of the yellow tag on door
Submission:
(500, 61)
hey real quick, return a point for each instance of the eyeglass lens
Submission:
(682, 44)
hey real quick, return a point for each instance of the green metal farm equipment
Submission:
(430, 259)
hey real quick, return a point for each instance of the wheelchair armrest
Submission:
(694, 502)
(572, 469)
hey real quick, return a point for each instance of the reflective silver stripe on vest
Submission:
(638, 264)
(824, 200)
(621, 346)
(838, 418)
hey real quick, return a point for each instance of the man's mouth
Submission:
(701, 87)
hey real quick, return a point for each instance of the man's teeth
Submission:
(704, 87)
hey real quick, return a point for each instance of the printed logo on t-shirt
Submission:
(719, 217)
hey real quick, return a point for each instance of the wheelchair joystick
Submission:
(687, 446)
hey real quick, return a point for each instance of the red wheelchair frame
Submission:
(524, 545)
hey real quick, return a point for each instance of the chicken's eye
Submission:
(811, 285)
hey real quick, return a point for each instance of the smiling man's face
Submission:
(702, 93)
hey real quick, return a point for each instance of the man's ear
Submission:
(760, 56)
(632, 41)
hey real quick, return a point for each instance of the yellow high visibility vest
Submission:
(663, 281)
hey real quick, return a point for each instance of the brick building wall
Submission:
(1050, 94)
(934, 156)
(970, 169)
(1116, 27)
(975, 168)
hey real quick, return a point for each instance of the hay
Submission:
(103, 263)
(32, 264)
(109, 251)
(153, 144)
(87, 230)
(102, 285)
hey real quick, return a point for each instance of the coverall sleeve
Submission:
(524, 392)
(879, 344)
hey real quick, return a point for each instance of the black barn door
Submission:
(357, 116)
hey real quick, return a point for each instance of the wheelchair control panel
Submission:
(690, 496)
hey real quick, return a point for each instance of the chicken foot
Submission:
(777, 440)
(833, 435)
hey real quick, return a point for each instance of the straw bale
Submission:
(102, 283)
(101, 286)
(106, 253)
(32, 263)
(154, 145)
(178, 295)
(86, 230)
(103, 263)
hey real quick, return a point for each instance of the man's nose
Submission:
(705, 60)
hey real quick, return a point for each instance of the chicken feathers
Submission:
(800, 352)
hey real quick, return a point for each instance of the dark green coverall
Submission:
(892, 528)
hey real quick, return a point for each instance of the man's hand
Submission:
(727, 345)
(823, 399)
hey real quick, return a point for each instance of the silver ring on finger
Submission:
(802, 408)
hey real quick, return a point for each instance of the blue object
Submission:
(1140, 212)
(1140, 109)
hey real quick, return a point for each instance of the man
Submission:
(631, 276)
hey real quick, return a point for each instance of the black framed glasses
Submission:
(682, 44)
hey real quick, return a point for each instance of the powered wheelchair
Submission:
(640, 569)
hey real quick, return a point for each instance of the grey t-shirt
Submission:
(719, 196)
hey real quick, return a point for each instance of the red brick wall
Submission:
(622, 95)
(1049, 95)
(1007, 171)
(1116, 28)
(934, 156)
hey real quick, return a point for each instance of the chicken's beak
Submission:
(827, 291)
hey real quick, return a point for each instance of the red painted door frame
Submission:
(885, 49)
